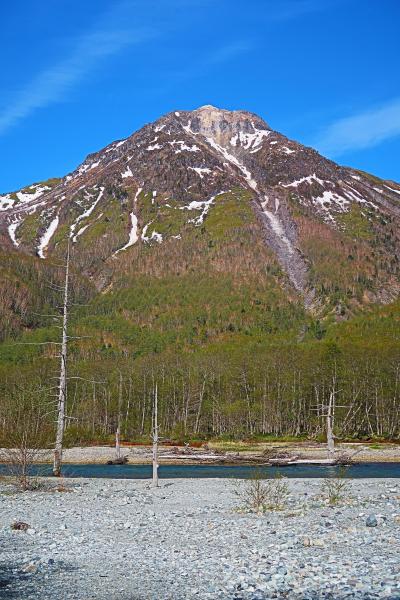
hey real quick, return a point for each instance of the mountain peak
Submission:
(220, 124)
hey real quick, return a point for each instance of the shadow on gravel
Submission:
(17, 584)
(13, 581)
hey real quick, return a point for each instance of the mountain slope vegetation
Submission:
(247, 275)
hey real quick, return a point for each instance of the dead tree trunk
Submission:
(118, 431)
(330, 415)
(62, 391)
(155, 438)
(198, 416)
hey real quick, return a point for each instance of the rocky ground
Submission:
(120, 539)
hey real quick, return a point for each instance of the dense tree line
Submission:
(239, 392)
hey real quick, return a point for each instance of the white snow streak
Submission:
(154, 236)
(27, 197)
(309, 179)
(329, 197)
(183, 146)
(203, 206)
(11, 231)
(7, 201)
(232, 159)
(201, 171)
(127, 173)
(85, 214)
(133, 236)
(249, 140)
(137, 194)
(392, 189)
(82, 229)
(46, 237)
(87, 167)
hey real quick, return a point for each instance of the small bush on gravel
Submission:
(260, 495)
(336, 489)
(23, 441)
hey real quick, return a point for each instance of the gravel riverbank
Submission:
(120, 539)
(312, 451)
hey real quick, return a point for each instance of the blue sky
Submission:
(77, 75)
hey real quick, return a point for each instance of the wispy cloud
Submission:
(107, 38)
(362, 130)
(292, 9)
(228, 52)
(211, 59)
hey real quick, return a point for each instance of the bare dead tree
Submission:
(118, 430)
(62, 392)
(155, 438)
(330, 416)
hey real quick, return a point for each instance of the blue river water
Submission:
(355, 471)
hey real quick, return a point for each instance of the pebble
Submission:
(371, 521)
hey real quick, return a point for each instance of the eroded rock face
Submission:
(180, 166)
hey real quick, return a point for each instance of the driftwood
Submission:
(20, 526)
(118, 461)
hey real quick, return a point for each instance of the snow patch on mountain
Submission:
(157, 237)
(233, 160)
(138, 191)
(12, 232)
(85, 214)
(330, 198)
(82, 230)
(133, 235)
(30, 196)
(309, 179)
(392, 189)
(6, 202)
(183, 146)
(116, 145)
(46, 237)
(249, 140)
(127, 173)
(87, 167)
(204, 206)
(201, 171)
(23, 197)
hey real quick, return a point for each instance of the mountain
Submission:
(168, 179)
(208, 234)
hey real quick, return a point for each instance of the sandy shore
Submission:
(192, 539)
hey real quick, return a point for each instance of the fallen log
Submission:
(118, 461)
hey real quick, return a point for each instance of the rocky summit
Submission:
(196, 174)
